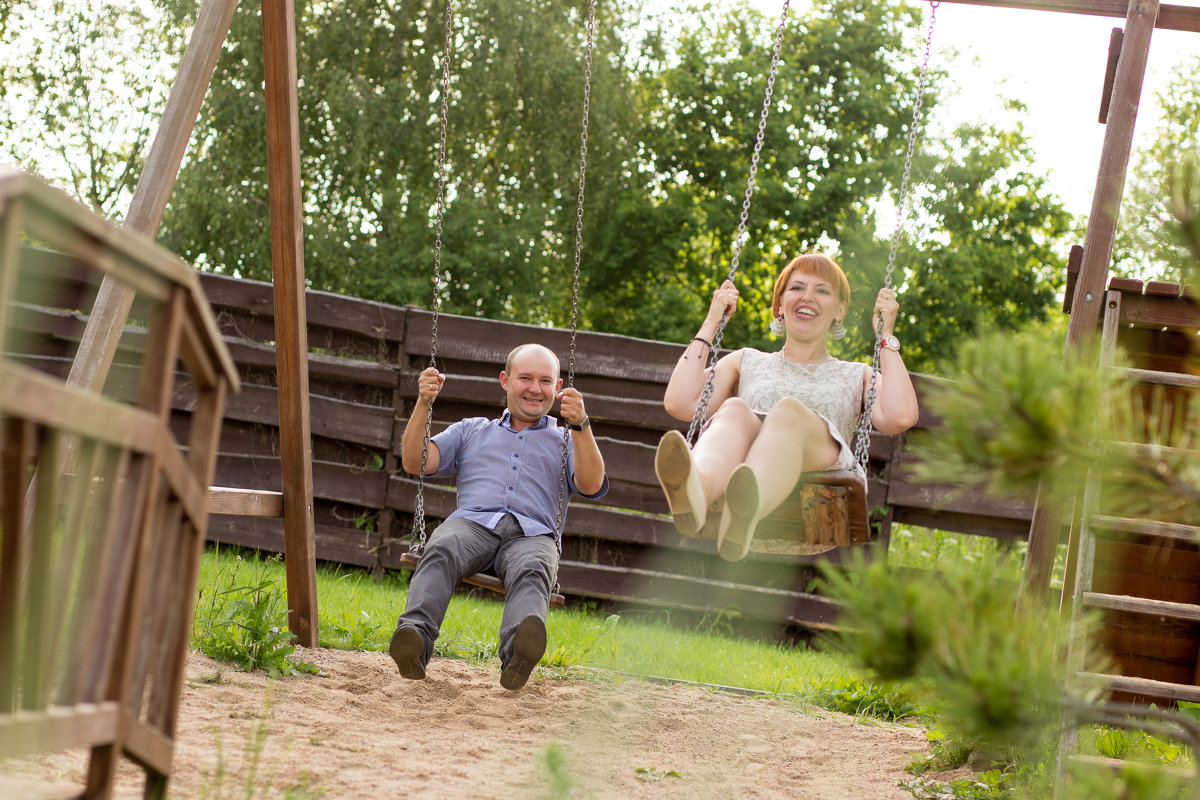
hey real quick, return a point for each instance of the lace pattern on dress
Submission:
(832, 388)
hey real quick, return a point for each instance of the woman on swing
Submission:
(775, 415)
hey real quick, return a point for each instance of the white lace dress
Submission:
(832, 388)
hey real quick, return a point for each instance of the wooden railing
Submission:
(102, 511)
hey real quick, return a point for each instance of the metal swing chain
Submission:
(739, 238)
(440, 209)
(560, 514)
(862, 444)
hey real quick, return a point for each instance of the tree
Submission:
(1149, 243)
(984, 251)
(369, 139)
(81, 88)
(834, 140)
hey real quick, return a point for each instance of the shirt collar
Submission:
(505, 421)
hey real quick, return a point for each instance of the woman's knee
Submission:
(794, 414)
(734, 410)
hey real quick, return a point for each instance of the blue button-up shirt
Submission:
(501, 471)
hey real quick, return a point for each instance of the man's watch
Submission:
(583, 426)
(890, 342)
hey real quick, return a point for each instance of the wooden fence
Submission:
(364, 357)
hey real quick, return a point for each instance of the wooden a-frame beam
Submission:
(110, 311)
(1170, 17)
(291, 332)
(111, 308)
(1141, 18)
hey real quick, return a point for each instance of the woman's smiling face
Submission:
(809, 303)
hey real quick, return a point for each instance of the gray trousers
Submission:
(526, 565)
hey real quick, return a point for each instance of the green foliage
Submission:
(985, 253)
(917, 548)
(674, 106)
(1183, 196)
(1150, 242)
(1015, 414)
(988, 669)
(81, 89)
(654, 774)
(1019, 418)
(243, 621)
(903, 618)
(854, 696)
(369, 136)
(579, 647)
(834, 140)
(993, 784)
(559, 778)
(355, 632)
(1134, 781)
(943, 756)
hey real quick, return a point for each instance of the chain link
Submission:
(862, 444)
(419, 533)
(739, 238)
(560, 514)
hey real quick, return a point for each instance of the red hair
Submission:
(822, 266)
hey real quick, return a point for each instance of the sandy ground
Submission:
(362, 731)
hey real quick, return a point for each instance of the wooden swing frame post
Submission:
(99, 342)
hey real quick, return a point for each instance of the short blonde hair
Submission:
(818, 264)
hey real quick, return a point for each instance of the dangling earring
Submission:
(776, 327)
(837, 330)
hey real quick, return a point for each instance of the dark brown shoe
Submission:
(407, 649)
(529, 645)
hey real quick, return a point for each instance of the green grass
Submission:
(358, 612)
(239, 591)
(914, 547)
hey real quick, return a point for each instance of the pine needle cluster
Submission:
(1019, 418)
(991, 671)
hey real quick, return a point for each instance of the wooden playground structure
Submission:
(104, 509)
(129, 499)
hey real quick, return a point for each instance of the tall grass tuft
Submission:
(242, 618)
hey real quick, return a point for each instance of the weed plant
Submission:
(241, 616)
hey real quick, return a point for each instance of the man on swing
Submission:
(508, 472)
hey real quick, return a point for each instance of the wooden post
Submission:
(291, 334)
(1172, 17)
(109, 312)
(1110, 181)
(1097, 248)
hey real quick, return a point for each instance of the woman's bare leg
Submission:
(692, 479)
(725, 444)
(793, 438)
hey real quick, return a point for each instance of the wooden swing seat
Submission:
(825, 511)
(480, 579)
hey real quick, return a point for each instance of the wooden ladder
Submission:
(1094, 524)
